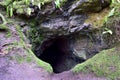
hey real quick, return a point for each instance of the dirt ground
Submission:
(10, 69)
(14, 71)
(24, 71)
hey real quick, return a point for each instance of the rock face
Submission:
(63, 37)
(60, 26)
(88, 5)
(66, 21)
(80, 40)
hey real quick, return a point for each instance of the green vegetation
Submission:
(35, 35)
(3, 19)
(31, 55)
(107, 31)
(3, 27)
(112, 21)
(105, 64)
(22, 6)
(59, 3)
(4, 22)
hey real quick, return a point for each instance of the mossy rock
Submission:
(30, 55)
(105, 64)
(97, 20)
(3, 27)
(90, 5)
(23, 53)
(112, 24)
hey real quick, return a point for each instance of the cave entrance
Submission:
(58, 53)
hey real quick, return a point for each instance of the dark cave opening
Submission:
(58, 54)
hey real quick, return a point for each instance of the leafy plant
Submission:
(11, 4)
(107, 31)
(111, 13)
(57, 3)
(113, 1)
(118, 1)
(29, 11)
(9, 11)
(27, 2)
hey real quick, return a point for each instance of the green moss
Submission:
(106, 63)
(35, 35)
(112, 23)
(9, 34)
(31, 56)
(89, 6)
(4, 22)
(28, 59)
(41, 63)
(3, 27)
(97, 20)
(19, 58)
(117, 9)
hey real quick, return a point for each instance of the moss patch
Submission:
(3, 27)
(97, 19)
(91, 5)
(106, 64)
(30, 56)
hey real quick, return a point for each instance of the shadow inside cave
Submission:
(58, 53)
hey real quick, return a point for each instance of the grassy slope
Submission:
(106, 63)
